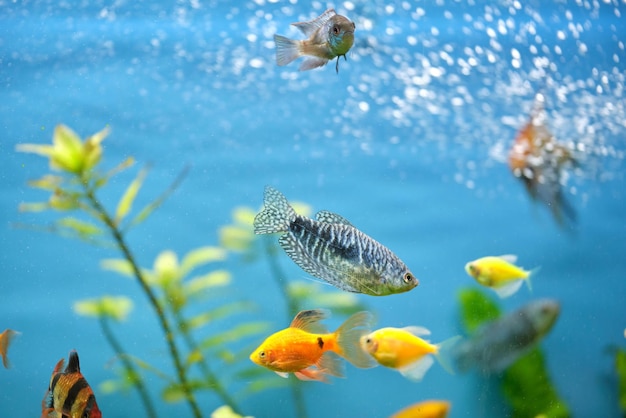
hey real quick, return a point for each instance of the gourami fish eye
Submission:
(408, 277)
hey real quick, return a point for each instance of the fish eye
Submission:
(336, 30)
(262, 354)
(408, 277)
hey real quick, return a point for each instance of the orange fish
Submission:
(308, 351)
(426, 409)
(5, 339)
(538, 160)
(69, 394)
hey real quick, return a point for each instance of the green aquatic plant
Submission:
(525, 384)
(620, 369)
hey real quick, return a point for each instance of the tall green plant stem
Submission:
(167, 330)
(128, 365)
(292, 309)
(214, 382)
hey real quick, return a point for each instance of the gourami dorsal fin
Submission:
(309, 27)
(73, 366)
(309, 321)
(331, 218)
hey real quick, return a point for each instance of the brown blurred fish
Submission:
(330, 35)
(538, 160)
(5, 340)
(69, 394)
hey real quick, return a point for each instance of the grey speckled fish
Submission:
(333, 250)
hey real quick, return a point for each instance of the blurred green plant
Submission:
(620, 369)
(526, 383)
(74, 184)
(239, 237)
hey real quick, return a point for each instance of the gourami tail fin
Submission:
(348, 337)
(287, 50)
(276, 215)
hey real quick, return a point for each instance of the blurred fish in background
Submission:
(425, 409)
(5, 340)
(539, 161)
(500, 343)
(500, 274)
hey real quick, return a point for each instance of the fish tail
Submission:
(287, 50)
(276, 215)
(349, 339)
(445, 351)
(531, 274)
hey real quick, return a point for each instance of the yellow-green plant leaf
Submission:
(259, 385)
(236, 238)
(218, 313)
(166, 268)
(63, 201)
(226, 411)
(118, 265)
(126, 202)
(47, 182)
(218, 278)
(244, 216)
(93, 149)
(175, 392)
(43, 150)
(68, 154)
(114, 307)
(194, 357)
(82, 228)
(109, 386)
(34, 207)
(235, 334)
(201, 256)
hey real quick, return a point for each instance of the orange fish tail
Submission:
(5, 340)
(348, 338)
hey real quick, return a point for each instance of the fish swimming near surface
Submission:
(308, 351)
(333, 250)
(539, 161)
(498, 344)
(425, 409)
(69, 394)
(500, 274)
(330, 35)
(403, 349)
(5, 340)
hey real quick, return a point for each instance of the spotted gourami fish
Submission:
(500, 274)
(402, 349)
(500, 343)
(308, 351)
(5, 340)
(330, 35)
(333, 250)
(69, 394)
(425, 409)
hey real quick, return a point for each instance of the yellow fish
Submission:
(306, 348)
(500, 274)
(402, 349)
(426, 409)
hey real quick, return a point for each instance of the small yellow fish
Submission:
(5, 340)
(306, 348)
(426, 409)
(402, 349)
(330, 35)
(500, 274)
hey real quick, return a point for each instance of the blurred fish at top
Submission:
(330, 248)
(425, 409)
(69, 394)
(5, 340)
(330, 35)
(499, 273)
(500, 343)
(538, 160)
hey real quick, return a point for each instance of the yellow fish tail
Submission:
(349, 336)
(445, 351)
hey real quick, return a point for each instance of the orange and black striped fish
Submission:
(69, 394)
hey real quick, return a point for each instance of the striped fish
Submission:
(331, 249)
(69, 394)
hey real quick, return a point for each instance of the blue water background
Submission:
(408, 142)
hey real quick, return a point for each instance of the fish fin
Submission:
(531, 274)
(416, 371)
(509, 258)
(311, 63)
(309, 27)
(287, 50)
(5, 341)
(309, 321)
(508, 289)
(296, 251)
(349, 339)
(312, 374)
(331, 218)
(276, 214)
(417, 331)
(445, 351)
(284, 375)
(331, 363)
(73, 366)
